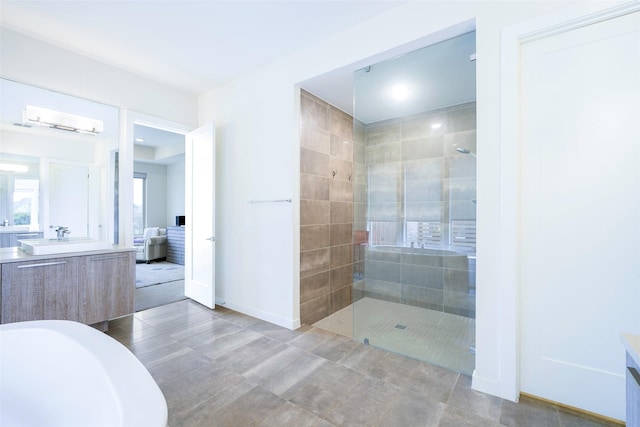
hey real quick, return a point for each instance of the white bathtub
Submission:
(63, 373)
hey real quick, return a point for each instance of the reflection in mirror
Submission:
(57, 163)
(19, 190)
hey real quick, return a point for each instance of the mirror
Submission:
(58, 163)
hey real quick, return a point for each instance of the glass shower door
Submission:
(414, 212)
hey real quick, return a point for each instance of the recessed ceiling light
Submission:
(400, 92)
(139, 140)
(436, 125)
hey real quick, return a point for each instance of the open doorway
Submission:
(158, 215)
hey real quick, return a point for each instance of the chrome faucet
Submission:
(61, 231)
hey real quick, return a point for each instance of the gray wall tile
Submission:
(382, 134)
(314, 163)
(340, 234)
(341, 148)
(315, 139)
(341, 255)
(314, 237)
(343, 169)
(340, 191)
(313, 262)
(341, 212)
(340, 299)
(385, 271)
(314, 212)
(418, 275)
(314, 187)
(312, 287)
(423, 148)
(314, 114)
(341, 124)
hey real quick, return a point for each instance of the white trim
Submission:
(128, 119)
(267, 316)
(295, 200)
(508, 339)
(583, 21)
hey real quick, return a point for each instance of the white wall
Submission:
(175, 190)
(38, 63)
(165, 192)
(156, 211)
(54, 146)
(256, 118)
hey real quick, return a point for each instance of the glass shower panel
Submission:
(414, 211)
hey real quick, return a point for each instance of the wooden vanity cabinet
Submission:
(91, 289)
(107, 285)
(39, 290)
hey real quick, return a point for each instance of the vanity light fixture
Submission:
(63, 121)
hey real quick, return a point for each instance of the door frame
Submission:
(499, 338)
(128, 119)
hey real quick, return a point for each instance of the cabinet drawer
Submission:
(40, 290)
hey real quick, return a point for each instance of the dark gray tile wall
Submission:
(442, 283)
(416, 174)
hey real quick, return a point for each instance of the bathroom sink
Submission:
(54, 246)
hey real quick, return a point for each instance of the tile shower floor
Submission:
(440, 338)
(222, 368)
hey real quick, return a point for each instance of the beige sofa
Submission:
(152, 245)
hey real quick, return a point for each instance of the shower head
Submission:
(464, 151)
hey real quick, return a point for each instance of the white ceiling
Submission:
(198, 45)
(194, 45)
(157, 145)
(436, 76)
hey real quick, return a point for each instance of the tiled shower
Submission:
(421, 210)
(388, 229)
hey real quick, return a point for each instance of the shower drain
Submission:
(399, 326)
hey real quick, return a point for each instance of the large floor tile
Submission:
(222, 368)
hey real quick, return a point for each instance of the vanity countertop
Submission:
(632, 344)
(17, 255)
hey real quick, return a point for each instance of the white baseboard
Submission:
(260, 314)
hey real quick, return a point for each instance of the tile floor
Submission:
(222, 368)
(436, 337)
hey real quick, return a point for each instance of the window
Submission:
(139, 202)
(25, 201)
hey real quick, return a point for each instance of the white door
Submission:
(69, 198)
(200, 221)
(580, 213)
